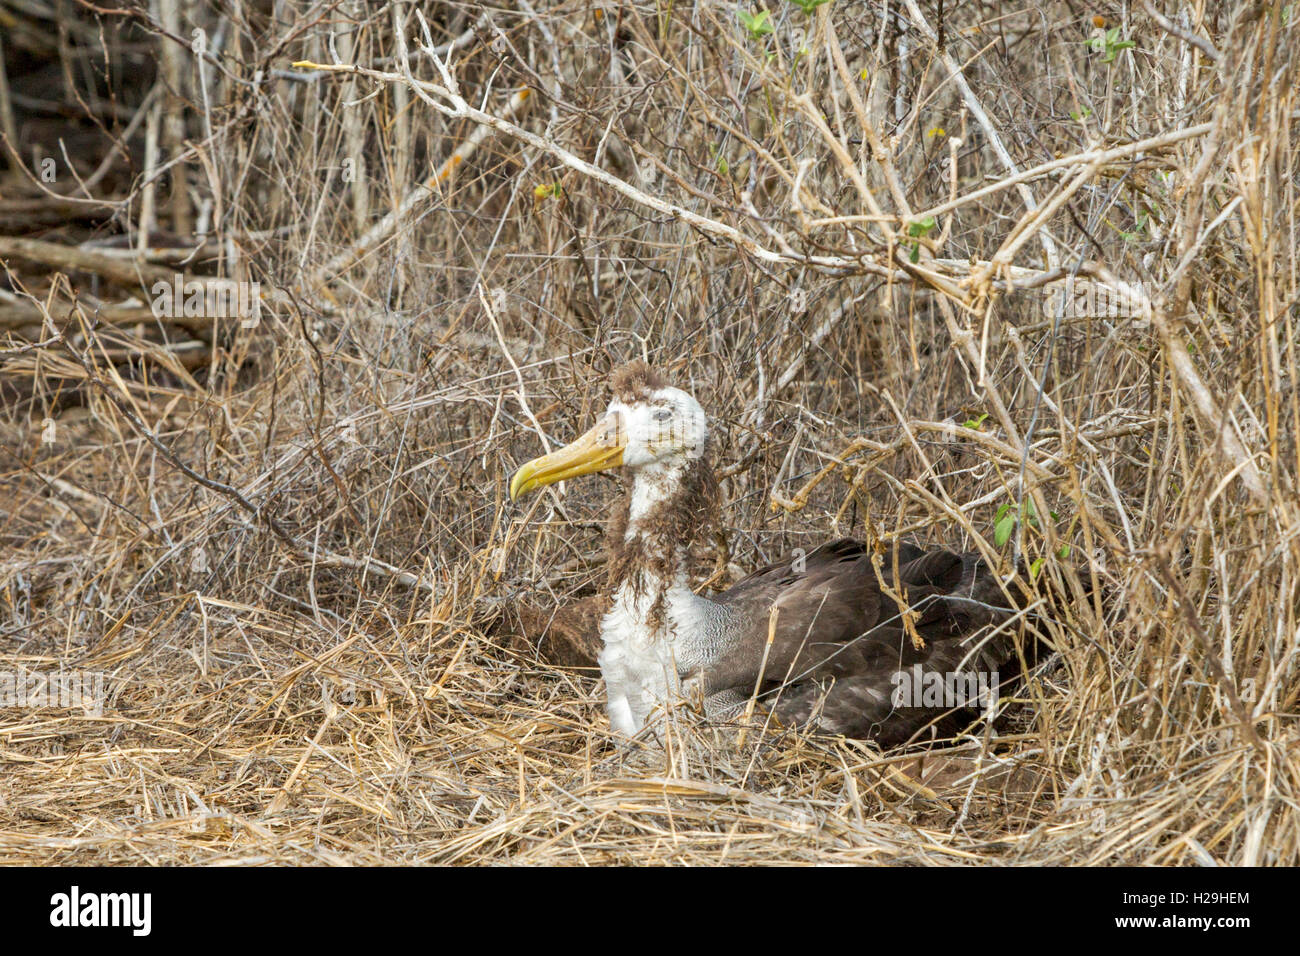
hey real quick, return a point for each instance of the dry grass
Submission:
(288, 548)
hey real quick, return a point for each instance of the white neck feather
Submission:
(646, 653)
(653, 485)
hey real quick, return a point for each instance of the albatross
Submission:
(837, 640)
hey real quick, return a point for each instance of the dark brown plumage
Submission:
(840, 639)
(566, 636)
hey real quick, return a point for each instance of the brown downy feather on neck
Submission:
(650, 559)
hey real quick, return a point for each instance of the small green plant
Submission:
(1004, 526)
(918, 230)
(1037, 564)
(809, 6)
(1131, 235)
(1110, 44)
(719, 160)
(974, 423)
(1080, 115)
(1142, 226)
(548, 191)
(1004, 523)
(758, 25)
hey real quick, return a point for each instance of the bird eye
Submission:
(663, 414)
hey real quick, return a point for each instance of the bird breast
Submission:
(643, 663)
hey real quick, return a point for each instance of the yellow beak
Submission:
(598, 450)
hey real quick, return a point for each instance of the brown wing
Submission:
(568, 636)
(839, 640)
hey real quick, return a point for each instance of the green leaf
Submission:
(719, 160)
(922, 228)
(915, 254)
(758, 24)
(1030, 513)
(1113, 49)
(1035, 567)
(1003, 528)
(1064, 552)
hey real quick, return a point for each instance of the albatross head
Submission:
(648, 426)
